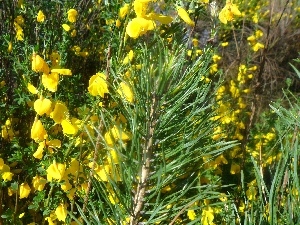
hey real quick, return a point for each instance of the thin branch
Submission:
(145, 170)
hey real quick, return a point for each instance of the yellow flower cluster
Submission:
(72, 17)
(7, 131)
(253, 40)
(228, 12)
(19, 21)
(5, 173)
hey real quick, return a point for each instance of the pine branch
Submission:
(146, 162)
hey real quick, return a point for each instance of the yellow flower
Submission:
(118, 23)
(19, 32)
(113, 157)
(98, 85)
(116, 133)
(50, 81)
(38, 132)
(66, 27)
(32, 89)
(182, 13)
(73, 33)
(56, 171)
(55, 58)
(7, 176)
(228, 12)
(42, 106)
(24, 190)
(62, 71)
(40, 16)
(55, 143)
(9, 47)
(61, 212)
(39, 152)
(191, 214)
(125, 91)
(207, 216)
(72, 15)
(39, 64)
(59, 112)
(257, 46)
(160, 18)
(128, 58)
(50, 219)
(69, 127)
(38, 183)
(224, 44)
(235, 168)
(140, 7)
(19, 20)
(123, 11)
(139, 26)
(102, 172)
(251, 193)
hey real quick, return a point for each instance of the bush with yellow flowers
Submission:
(148, 112)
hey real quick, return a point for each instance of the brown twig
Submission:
(180, 212)
(145, 170)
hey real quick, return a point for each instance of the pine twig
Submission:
(145, 170)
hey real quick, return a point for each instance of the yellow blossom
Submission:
(62, 71)
(224, 44)
(32, 89)
(116, 134)
(19, 32)
(257, 46)
(19, 20)
(38, 183)
(139, 26)
(9, 47)
(98, 85)
(69, 126)
(123, 11)
(56, 171)
(235, 168)
(55, 143)
(42, 106)
(55, 58)
(24, 190)
(191, 214)
(66, 27)
(40, 16)
(61, 212)
(128, 58)
(160, 18)
(50, 81)
(251, 193)
(39, 152)
(7, 176)
(59, 112)
(118, 23)
(228, 12)
(39, 64)
(72, 15)
(125, 91)
(140, 7)
(207, 216)
(38, 132)
(182, 13)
